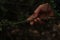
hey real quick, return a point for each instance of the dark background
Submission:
(14, 11)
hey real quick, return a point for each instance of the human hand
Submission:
(42, 12)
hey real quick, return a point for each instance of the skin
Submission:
(35, 17)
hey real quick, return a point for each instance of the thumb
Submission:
(30, 18)
(33, 16)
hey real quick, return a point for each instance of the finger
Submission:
(30, 18)
(35, 20)
(38, 19)
(32, 22)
